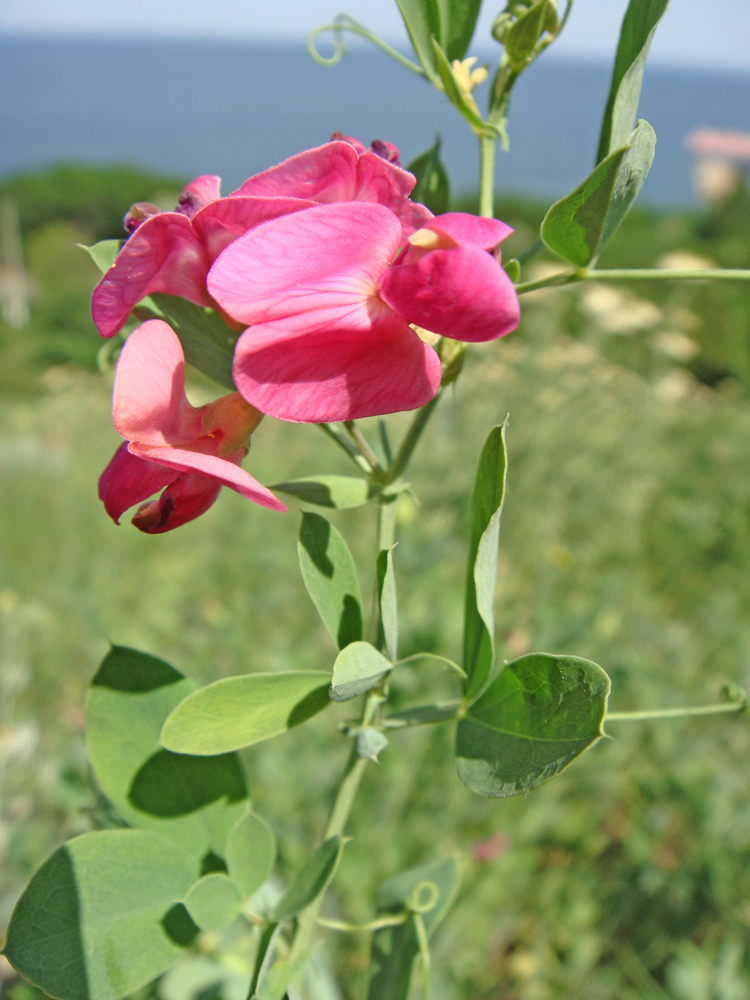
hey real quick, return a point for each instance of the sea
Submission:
(235, 108)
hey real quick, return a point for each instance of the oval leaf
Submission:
(357, 669)
(239, 711)
(578, 226)
(251, 851)
(311, 880)
(481, 571)
(213, 902)
(538, 715)
(637, 31)
(459, 21)
(395, 948)
(103, 253)
(331, 578)
(101, 917)
(422, 20)
(192, 800)
(340, 492)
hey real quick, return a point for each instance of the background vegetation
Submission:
(626, 539)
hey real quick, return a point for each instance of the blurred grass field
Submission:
(625, 539)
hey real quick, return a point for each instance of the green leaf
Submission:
(387, 602)
(422, 20)
(206, 340)
(213, 902)
(240, 711)
(395, 948)
(538, 715)
(465, 105)
(331, 578)
(101, 917)
(196, 977)
(459, 19)
(340, 492)
(433, 187)
(103, 253)
(481, 571)
(251, 851)
(524, 33)
(194, 801)
(636, 34)
(370, 743)
(311, 881)
(357, 669)
(578, 226)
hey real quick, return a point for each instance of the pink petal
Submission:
(221, 222)
(461, 293)
(200, 192)
(335, 374)
(320, 265)
(462, 228)
(148, 402)
(129, 480)
(163, 255)
(324, 174)
(187, 498)
(225, 471)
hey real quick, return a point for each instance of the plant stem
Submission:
(363, 445)
(453, 667)
(487, 176)
(675, 713)
(634, 274)
(400, 462)
(346, 445)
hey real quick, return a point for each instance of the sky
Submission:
(693, 32)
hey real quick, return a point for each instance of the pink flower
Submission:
(171, 252)
(169, 443)
(329, 294)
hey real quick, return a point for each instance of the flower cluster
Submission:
(330, 270)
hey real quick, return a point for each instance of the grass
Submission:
(625, 539)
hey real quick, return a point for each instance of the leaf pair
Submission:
(113, 909)
(540, 712)
(578, 226)
(450, 22)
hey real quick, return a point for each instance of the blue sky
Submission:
(693, 33)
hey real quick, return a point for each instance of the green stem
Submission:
(363, 445)
(346, 445)
(374, 925)
(634, 274)
(403, 456)
(487, 176)
(345, 23)
(675, 713)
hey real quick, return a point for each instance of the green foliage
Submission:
(208, 343)
(103, 253)
(193, 801)
(433, 186)
(311, 880)
(331, 578)
(358, 668)
(101, 917)
(250, 853)
(339, 492)
(636, 34)
(91, 198)
(394, 949)
(481, 571)
(450, 22)
(578, 226)
(213, 902)
(524, 32)
(463, 103)
(240, 711)
(535, 718)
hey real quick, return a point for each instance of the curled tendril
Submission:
(424, 897)
(343, 23)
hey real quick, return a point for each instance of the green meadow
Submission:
(625, 539)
